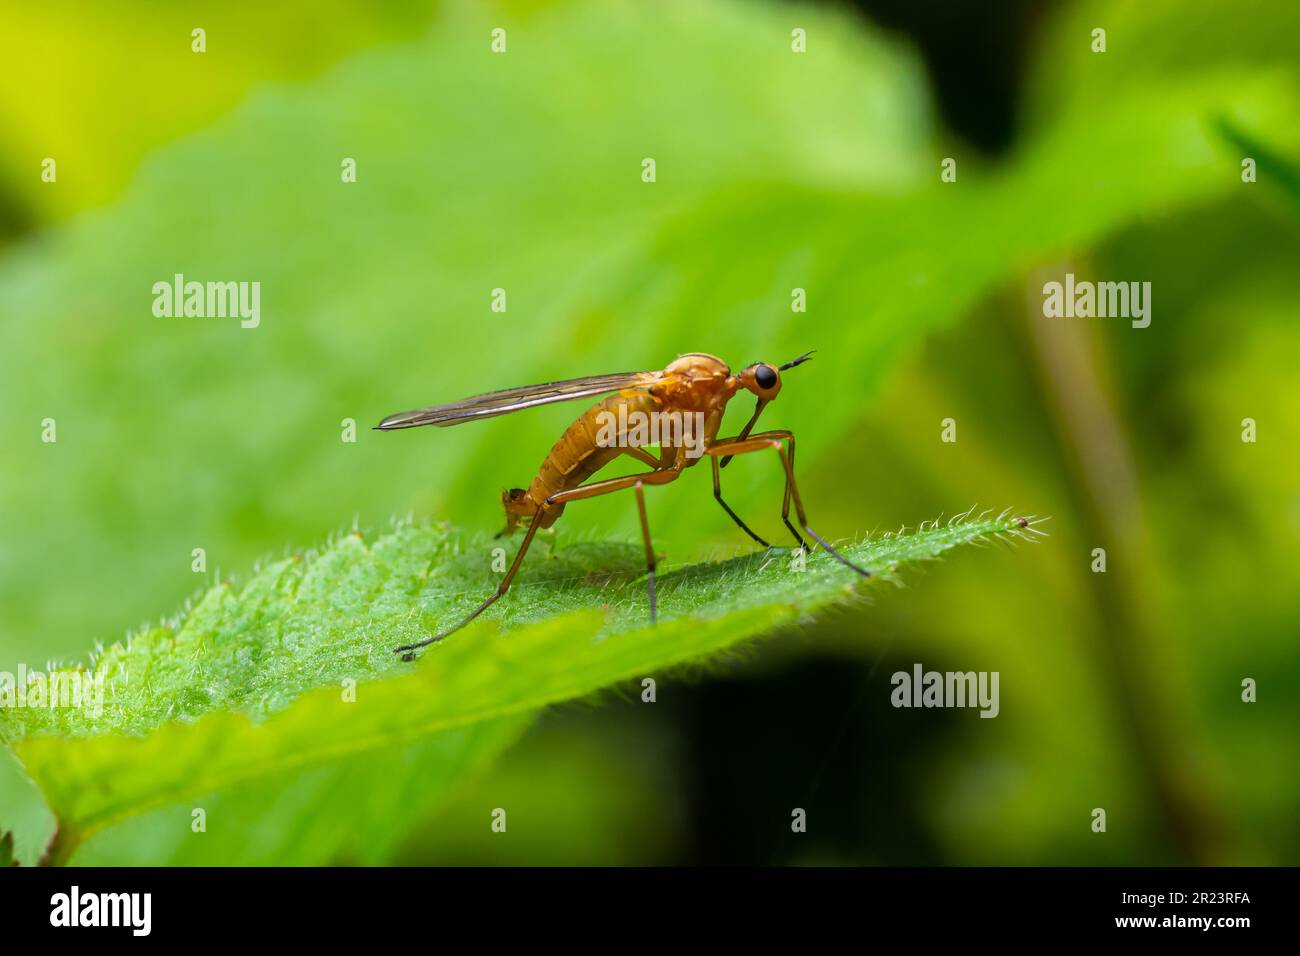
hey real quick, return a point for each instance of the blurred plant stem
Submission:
(62, 845)
(1075, 379)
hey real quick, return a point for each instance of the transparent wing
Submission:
(509, 400)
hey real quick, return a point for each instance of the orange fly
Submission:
(686, 399)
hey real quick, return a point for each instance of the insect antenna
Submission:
(799, 361)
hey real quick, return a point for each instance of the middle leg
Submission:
(649, 548)
(667, 473)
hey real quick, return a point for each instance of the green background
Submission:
(775, 170)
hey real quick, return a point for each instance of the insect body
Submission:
(679, 409)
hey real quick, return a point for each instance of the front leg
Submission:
(785, 505)
(717, 494)
(775, 440)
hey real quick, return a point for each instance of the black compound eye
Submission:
(765, 376)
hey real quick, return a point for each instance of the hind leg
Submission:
(549, 509)
(406, 650)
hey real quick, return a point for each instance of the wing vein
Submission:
(507, 400)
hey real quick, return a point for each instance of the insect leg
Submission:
(785, 503)
(597, 488)
(717, 493)
(649, 548)
(661, 477)
(640, 454)
(407, 650)
(774, 440)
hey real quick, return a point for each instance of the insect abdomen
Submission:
(579, 454)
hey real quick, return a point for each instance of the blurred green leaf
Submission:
(74, 106)
(296, 668)
(1153, 44)
(356, 811)
(1275, 170)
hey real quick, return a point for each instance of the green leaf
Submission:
(360, 810)
(258, 681)
(138, 52)
(1275, 170)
